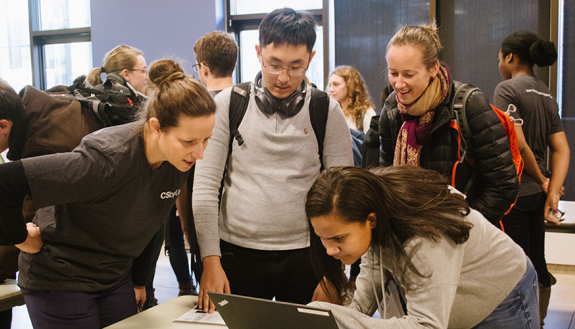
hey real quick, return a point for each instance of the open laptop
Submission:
(240, 312)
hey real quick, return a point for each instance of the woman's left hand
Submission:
(320, 295)
(140, 292)
(33, 242)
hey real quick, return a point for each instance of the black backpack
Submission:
(318, 108)
(370, 148)
(113, 104)
(239, 100)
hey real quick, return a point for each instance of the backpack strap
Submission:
(238, 105)
(318, 110)
(457, 110)
(240, 98)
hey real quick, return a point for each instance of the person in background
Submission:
(346, 85)
(415, 125)
(126, 61)
(101, 204)
(251, 240)
(454, 269)
(216, 58)
(541, 125)
(11, 121)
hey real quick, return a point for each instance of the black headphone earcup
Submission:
(293, 104)
(265, 101)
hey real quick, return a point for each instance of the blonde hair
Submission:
(174, 93)
(358, 97)
(424, 36)
(115, 61)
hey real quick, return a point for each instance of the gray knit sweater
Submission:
(468, 281)
(262, 205)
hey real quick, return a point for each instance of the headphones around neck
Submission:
(268, 103)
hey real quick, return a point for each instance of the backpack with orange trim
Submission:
(459, 123)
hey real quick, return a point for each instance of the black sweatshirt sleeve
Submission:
(13, 189)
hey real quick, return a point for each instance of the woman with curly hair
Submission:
(346, 85)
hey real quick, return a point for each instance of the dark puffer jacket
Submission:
(493, 177)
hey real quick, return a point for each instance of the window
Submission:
(16, 64)
(245, 17)
(243, 7)
(362, 43)
(64, 14)
(55, 51)
(66, 61)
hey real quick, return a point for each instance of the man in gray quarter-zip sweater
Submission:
(255, 241)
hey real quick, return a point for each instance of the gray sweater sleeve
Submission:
(365, 302)
(208, 179)
(428, 305)
(337, 147)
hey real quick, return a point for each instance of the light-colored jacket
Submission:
(466, 281)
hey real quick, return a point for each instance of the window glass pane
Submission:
(15, 62)
(362, 43)
(65, 62)
(64, 14)
(250, 65)
(242, 7)
(472, 31)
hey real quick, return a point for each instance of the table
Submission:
(163, 316)
(10, 295)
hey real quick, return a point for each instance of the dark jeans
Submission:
(520, 309)
(286, 275)
(178, 255)
(525, 224)
(86, 310)
(177, 249)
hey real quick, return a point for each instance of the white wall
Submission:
(167, 28)
(559, 247)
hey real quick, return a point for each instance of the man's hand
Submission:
(140, 292)
(320, 295)
(213, 280)
(33, 242)
(551, 204)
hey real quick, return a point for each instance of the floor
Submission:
(561, 309)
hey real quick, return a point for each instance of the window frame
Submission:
(40, 38)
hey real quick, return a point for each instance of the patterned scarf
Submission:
(418, 119)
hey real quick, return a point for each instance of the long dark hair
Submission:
(409, 202)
